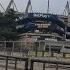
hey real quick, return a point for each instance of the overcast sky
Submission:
(56, 6)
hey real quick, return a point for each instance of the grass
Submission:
(39, 54)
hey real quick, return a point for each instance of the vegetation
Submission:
(8, 26)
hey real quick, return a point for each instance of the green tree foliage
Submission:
(8, 26)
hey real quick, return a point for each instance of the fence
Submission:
(37, 48)
(15, 59)
(56, 65)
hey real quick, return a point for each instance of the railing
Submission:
(56, 66)
(15, 59)
(22, 48)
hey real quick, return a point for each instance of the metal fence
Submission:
(37, 48)
(18, 63)
(44, 64)
(10, 62)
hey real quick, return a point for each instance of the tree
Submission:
(8, 26)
